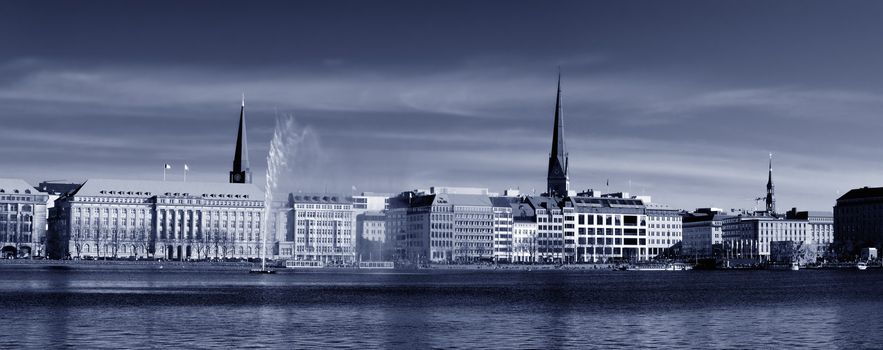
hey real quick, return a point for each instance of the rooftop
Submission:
(16, 186)
(142, 188)
(323, 198)
(862, 193)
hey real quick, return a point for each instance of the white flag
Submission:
(168, 166)
(186, 168)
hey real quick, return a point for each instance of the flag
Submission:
(186, 168)
(168, 166)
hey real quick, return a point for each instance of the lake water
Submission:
(82, 308)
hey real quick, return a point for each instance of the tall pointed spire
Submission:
(241, 171)
(770, 190)
(557, 180)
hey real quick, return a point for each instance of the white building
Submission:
(503, 223)
(324, 229)
(524, 233)
(23, 216)
(172, 220)
(754, 236)
(371, 237)
(605, 229)
(664, 227)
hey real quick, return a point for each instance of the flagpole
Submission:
(164, 173)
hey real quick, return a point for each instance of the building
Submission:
(370, 201)
(163, 219)
(702, 231)
(23, 216)
(603, 229)
(104, 218)
(524, 232)
(503, 226)
(324, 229)
(371, 239)
(369, 209)
(799, 236)
(858, 221)
(664, 227)
(550, 228)
(441, 226)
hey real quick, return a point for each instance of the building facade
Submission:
(858, 221)
(804, 236)
(503, 226)
(441, 226)
(371, 236)
(605, 229)
(702, 231)
(324, 229)
(159, 219)
(23, 215)
(664, 228)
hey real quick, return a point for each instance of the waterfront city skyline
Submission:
(644, 103)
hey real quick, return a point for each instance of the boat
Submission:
(655, 267)
(262, 270)
(783, 266)
(861, 266)
(304, 264)
(387, 265)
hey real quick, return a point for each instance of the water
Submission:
(95, 308)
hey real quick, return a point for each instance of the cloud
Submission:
(688, 141)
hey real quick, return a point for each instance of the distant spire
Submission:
(770, 190)
(557, 179)
(241, 171)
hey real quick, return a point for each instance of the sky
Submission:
(680, 100)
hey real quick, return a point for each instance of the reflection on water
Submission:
(163, 309)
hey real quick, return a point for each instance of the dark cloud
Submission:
(681, 99)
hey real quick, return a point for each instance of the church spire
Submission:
(770, 190)
(557, 180)
(241, 172)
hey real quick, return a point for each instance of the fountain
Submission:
(283, 142)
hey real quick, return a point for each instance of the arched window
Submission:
(85, 248)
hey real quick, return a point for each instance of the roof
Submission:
(323, 198)
(699, 217)
(605, 204)
(142, 188)
(371, 215)
(862, 193)
(543, 202)
(501, 202)
(19, 186)
(462, 199)
(523, 212)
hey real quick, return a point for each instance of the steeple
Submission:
(241, 172)
(557, 180)
(770, 190)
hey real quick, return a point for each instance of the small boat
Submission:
(388, 265)
(861, 266)
(782, 266)
(652, 267)
(262, 270)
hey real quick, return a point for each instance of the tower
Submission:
(241, 172)
(770, 190)
(557, 180)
